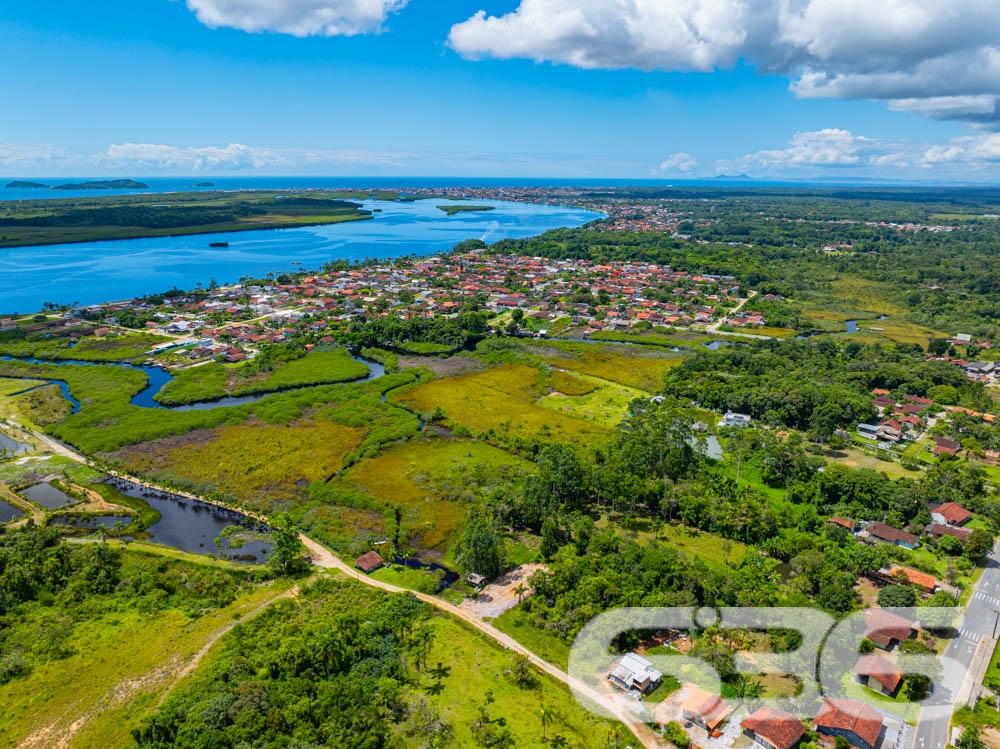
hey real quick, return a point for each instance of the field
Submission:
(261, 465)
(476, 665)
(210, 381)
(500, 404)
(855, 458)
(633, 366)
(52, 221)
(605, 404)
(544, 644)
(432, 482)
(117, 666)
(9, 386)
(109, 349)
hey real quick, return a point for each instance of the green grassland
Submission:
(259, 465)
(606, 404)
(634, 366)
(213, 380)
(500, 404)
(34, 222)
(108, 349)
(433, 481)
(9, 386)
(115, 662)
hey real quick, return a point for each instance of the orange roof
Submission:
(921, 579)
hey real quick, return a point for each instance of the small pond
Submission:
(47, 496)
(91, 522)
(193, 526)
(12, 446)
(8, 512)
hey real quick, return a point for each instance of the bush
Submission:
(897, 595)
(676, 735)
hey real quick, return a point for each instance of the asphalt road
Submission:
(979, 621)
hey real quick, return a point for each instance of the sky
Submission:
(669, 89)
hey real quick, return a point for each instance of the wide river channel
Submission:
(94, 272)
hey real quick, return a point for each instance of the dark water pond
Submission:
(12, 446)
(47, 496)
(8, 512)
(193, 526)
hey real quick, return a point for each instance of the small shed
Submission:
(476, 580)
(369, 562)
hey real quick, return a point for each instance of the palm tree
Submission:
(520, 589)
(546, 717)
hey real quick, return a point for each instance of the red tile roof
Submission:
(879, 668)
(953, 512)
(883, 627)
(921, 579)
(782, 729)
(368, 562)
(850, 715)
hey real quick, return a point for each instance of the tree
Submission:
(897, 595)
(519, 590)
(545, 716)
(979, 544)
(482, 546)
(287, 546)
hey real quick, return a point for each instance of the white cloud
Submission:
(827, 147)
(234, 157)
(35, 157)
(935, 57)
(976, 151)
(679, 162)
(297, 17)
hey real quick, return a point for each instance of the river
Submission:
(95, 272)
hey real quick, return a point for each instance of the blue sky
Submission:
(533, 88)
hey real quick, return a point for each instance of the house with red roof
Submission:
(773, 729)
(857, 722)
(950, 513)
(879, 673)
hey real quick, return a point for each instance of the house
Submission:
(927, 583)
(705, 709)
(476, 580)
(773, 729)
(879, 673)
(101, 332)
(886, 629)
(635, 672)
(860, 724)
(847, 523)
(944, 446)
(368, 562)
(950, 513)
(868, 431)
(732, 419)
(937, 530)
(887, 534)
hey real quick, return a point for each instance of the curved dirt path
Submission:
(323, 557)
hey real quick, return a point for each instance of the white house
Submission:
(732, 419)
(635, 672)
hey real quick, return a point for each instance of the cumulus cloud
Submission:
(827, 147)
(297, 17)
(977, 152)
(940, 59)
(234, 157)
(679, 162)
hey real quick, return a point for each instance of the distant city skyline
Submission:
(905, 90)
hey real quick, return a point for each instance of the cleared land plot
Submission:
(606, 403)
(501, 402)
(862, 459)
(632, 366)
(433, 481)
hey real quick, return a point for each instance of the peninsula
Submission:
(20, 185)
(107, 184)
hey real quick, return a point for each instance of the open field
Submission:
(213, 380)
(49, 221)
(88, 348)
(500, 404)
(259, 464)
(117, 665)
(605, 404)
(433, 482)
(854, 458)
(634, 366)
(10, 386)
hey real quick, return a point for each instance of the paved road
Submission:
(978, 622)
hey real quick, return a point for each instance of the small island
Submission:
(205, 184)
(108, 184)
(20, 185)
(451, 210)
(218, 244)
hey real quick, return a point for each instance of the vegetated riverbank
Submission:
(74, 220)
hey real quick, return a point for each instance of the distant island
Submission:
(218, 244)
(18, 185)
(451, 210)
(205, 184)
(108, 184)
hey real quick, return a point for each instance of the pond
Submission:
(48, 496)
(190, 525)
(8, 512)
(91, 522)
(12, 446)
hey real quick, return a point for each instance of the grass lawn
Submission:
(500, 403)
(119, 664)
(863, 459)
(544, 644)
(423, 580)
(695, 543)
(898, 705)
